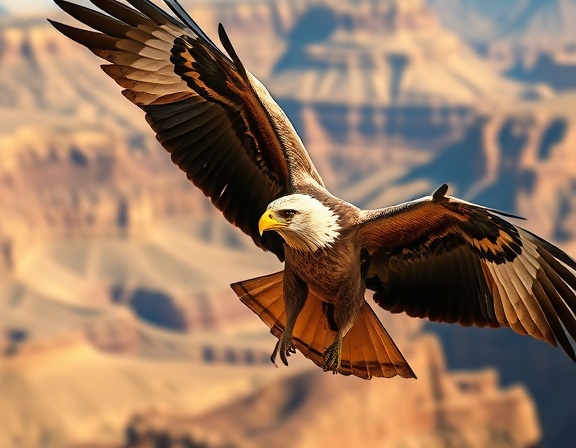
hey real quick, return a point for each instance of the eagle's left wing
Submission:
(452, 261)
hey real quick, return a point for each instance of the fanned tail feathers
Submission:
(367, 349)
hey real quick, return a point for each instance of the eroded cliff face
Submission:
(520, 160)
(516, 22)
(554, 67)
(384, 54)
(316, 409)
(532, 41)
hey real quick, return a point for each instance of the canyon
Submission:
(116, 322)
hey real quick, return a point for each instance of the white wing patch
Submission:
(515, 285)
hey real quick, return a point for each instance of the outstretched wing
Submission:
(452, 261)
(217, 121)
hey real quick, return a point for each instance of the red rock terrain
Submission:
(113, 292)
(318, 409)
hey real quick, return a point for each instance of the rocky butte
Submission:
(311, 409)
(533, 41)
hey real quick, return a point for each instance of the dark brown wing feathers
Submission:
(452, 261)
(232, 52)
(202, 71)
(220, 126)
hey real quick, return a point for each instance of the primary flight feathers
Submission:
(217, 121)
(437, 257)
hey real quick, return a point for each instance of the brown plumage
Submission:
(437, 257)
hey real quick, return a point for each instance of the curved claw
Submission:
(284, 347)
(275, 353)
(283, 357)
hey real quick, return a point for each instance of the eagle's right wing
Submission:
(218, 122)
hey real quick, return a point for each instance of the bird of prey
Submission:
(437, 257)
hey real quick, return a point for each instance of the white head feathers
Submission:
(310, 225)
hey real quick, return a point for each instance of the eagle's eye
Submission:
(287, 214)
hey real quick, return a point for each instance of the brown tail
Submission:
(367, 349)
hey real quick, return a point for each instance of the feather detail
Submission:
(452, 261)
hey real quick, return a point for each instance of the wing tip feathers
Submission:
(225, 40)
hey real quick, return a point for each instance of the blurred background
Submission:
(117, 325)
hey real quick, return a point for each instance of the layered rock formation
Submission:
(558, 69)
(316, 409)
(533, 24)
(60, 391)
(384, 77)
(390, 53)
(519, 160)
(530, 39)
(439, 408)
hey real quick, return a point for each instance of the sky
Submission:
(31, 6)
(27, 6)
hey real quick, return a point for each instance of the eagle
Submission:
(437, 257)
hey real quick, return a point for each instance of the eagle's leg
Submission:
(345, 312)
(346, 308)
(295, 294)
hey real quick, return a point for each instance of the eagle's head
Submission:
(303, 221)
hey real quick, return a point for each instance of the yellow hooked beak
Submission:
(267, 222)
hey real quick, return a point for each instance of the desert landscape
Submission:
(117, 325)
